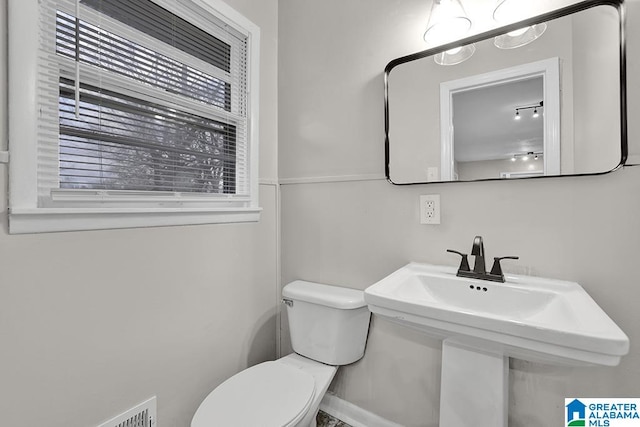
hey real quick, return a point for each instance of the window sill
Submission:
(55, 220)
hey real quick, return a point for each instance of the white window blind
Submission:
(142, 104)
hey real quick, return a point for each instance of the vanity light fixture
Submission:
(535, 107)
(525, 157)
(508, 10)
(448, 22)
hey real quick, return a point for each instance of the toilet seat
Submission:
(270, 394)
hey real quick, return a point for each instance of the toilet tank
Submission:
(327, 323)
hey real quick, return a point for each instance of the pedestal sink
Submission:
(484, 323)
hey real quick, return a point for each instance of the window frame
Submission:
(28, 215)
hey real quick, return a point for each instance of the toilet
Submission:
(328, 326)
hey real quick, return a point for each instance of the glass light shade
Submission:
(447, 22)
(520, 37)
(517, 33)
(455, 56)
(508, 11)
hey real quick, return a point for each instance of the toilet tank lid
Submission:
(327, 295)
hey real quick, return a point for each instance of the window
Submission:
(145, 114)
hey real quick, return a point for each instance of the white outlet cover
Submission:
(430, 209)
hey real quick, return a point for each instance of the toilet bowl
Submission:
(285, 392)
(329, 327)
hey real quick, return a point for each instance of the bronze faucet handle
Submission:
(464, 262)
(496, 270)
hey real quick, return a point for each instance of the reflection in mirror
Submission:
(551, 107)
(504, 123)
(480, 147)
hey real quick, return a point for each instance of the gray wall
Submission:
(354, 232)
(92, 323)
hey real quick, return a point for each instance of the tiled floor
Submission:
(325, 420)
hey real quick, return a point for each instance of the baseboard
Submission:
(352, 414)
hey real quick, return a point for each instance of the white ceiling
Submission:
(484, 125)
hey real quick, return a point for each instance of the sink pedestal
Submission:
(474, 387)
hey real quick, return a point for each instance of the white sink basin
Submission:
(527, 317)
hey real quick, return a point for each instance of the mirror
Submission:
(555, 106)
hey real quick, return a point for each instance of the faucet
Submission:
(479, 268)
(477, 250)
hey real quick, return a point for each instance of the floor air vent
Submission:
(142, 415)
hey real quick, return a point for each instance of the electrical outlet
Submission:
(430, 209)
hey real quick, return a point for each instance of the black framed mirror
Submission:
(553, 106)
